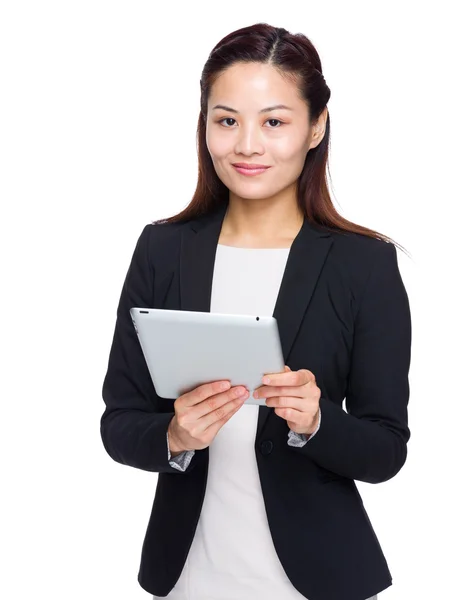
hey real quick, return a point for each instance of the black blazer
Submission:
(343, 313)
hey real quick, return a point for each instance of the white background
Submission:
(99, 104)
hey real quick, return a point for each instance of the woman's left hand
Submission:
(295, 397)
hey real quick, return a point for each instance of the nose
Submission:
(249, 141)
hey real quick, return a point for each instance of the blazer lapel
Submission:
(305, 261)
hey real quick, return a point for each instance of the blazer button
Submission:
(266, 447)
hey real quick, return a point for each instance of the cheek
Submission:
(290, 157)
(218, 145)
(289, 149)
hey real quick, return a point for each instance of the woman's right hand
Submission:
(201, 413)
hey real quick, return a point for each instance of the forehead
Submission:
(253, 85)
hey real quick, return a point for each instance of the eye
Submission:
(277, 120)
(268, 120)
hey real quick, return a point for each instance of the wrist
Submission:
(174, 445)
(315, 424)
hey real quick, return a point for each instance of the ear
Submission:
(319, 129)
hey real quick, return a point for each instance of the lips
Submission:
(250, 170)
(250, 166)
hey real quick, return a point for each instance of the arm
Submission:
(369, 441)
(133, 430)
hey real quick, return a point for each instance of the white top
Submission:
(232, 556)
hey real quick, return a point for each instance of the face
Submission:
(243, 131)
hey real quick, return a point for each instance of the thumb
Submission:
(287, 368)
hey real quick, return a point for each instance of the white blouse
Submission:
(232, 556)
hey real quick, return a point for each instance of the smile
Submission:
(250, 172)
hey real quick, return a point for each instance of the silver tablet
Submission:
(185, 349)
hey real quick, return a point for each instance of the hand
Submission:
(295, 397)
(200, 413)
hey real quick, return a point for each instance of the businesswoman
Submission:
(259, 502)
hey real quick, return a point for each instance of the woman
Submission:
(275, 513)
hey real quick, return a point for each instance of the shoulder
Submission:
(358, 243)
(162, 233)
(160, 244)
(358, 253)
(159, 234)
(355, 260)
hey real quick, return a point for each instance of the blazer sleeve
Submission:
(369, 441)
(133, 429)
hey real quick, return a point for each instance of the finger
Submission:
(219, 404)
(295, 417)
(293, 391)
(300, 377)
(204, 391)
(302, 405)
(286, 368)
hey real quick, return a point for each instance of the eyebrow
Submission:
(264, 110)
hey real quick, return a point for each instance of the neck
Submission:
(255, 222)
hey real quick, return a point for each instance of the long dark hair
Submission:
(294, 55)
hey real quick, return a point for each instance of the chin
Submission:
(250, 195)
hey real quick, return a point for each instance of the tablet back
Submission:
(184, 349)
